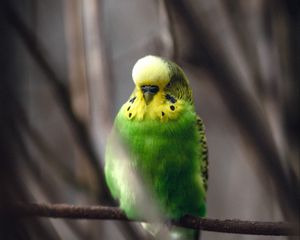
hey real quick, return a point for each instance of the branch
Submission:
(113, 213)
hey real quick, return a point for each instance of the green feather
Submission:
(167, 155)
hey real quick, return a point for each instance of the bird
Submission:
(166, 146)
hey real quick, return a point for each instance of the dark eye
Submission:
(168, 85)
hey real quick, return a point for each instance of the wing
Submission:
(204, 152)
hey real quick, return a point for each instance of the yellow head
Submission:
(151, 70)
(161, 88)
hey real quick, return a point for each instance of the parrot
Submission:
(166, 144)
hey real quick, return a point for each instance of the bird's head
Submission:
(151, 75)
(161, 90)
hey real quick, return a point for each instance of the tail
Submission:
(178, 233)
(175, 233)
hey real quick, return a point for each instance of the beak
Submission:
(149, 91)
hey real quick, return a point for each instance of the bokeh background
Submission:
(66, 70)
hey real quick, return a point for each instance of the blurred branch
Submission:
(39, 142)
(78, 85)
(46, 187)
(220, 52)
(15, 183)
(98, 72)
(113, 213)
(167, 29)
(63, 171)
(63, 95)
(99, 80)
(36, 50)
(76, 59)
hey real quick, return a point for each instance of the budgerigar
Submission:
(165, 141)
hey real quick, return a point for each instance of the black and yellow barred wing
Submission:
(204, 152)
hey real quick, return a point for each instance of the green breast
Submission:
(167, 156)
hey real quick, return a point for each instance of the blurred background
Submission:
(66, 70)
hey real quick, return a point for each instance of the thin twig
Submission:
(113, 213)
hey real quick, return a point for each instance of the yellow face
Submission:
(149, 100)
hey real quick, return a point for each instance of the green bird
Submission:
(165, 142)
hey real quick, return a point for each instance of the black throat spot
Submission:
(170, 98)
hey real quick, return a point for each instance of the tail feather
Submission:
(176, 233)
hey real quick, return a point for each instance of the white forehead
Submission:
(150, 70)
